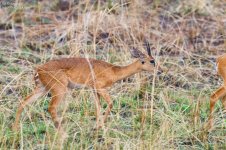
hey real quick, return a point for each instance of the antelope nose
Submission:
(159, 72)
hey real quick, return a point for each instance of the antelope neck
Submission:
(122, 72)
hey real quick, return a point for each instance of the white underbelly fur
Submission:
(76, 85)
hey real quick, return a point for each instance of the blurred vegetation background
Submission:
(162, 112)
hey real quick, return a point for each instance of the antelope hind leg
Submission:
(38, 92)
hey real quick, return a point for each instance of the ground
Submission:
(150, 112)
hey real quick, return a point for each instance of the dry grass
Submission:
(186, 38)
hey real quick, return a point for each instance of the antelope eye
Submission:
(142, 62)
(152, 62)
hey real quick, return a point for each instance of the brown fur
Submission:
(57, 75)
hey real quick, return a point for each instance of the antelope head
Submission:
(147, 62)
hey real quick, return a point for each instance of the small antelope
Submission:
(56, 76)
(220, 93)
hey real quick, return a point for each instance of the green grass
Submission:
(171, 123)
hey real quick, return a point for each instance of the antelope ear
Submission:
(136, 53)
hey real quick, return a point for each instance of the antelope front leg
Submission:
(107, 98)
(219, 93)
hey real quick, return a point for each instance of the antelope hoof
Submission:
(58, 124)
(98, 126)
(63, 134)
(208, 126)
(14, 127)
